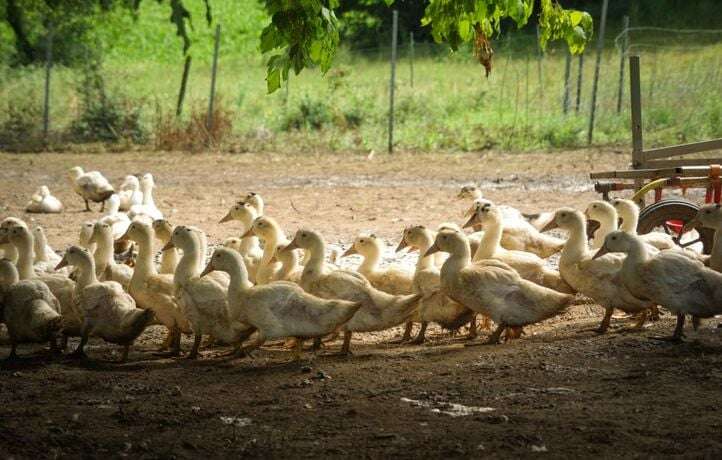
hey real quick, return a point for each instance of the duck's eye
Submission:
(614, 238)
(594, 206)
(303, 235)
(563, 215)
(362, 241)
(708, 212)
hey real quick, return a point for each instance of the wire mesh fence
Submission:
(532, 99)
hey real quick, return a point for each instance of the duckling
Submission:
(710, 216)
(669, 279)
(249, 248)
(169, 257)
(147, 210)
(109, 312)
(30, 310)
(130, 193)
(45, 258)
(379, 310)
(493, 288)
(105, 267)
(628, 211)
(598, 278)
(434, 306)
(42, 202)
(606, 215)
(91, 186)
(204, 301)
(529, 266)
(279, 309)
(268, 231)
(153, 291)
(60, 285)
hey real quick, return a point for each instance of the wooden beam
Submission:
(635, 93)
(690, 162)
(683, 149)
(680, 171)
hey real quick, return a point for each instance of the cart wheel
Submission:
(669, 216)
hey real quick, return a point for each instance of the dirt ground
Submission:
(555, 392)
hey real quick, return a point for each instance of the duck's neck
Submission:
(249, 245)
(103, 255)
(629, 222)
(113, 207)
(239, 282)
(39, 246)
(8, 277)
(188, 266)
(606, 226)
(458, 259)
(491, 241)
(270, 243)
(575, 248)
(289, 265)
(144, 266)
(9, 252)
(169, 260)
(147, 190)
(25, 257)
(425, 263)
(86, 273)
(371, 261)
(314, 266)
(636, 256)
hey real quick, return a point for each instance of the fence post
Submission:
(411, 58)
(392, 79)
(635, 94)
(578, 104)
(622, 55)
(652, 79)
(567, 75)
(184, 83)
(595, 83)
(48, 67)
(540, 68)
(214, 69)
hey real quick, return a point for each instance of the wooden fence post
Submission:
(540, 68)
(635, 94)
(622, 60)
(214, 70)
(411, 59)
(578, 103)
(183, 86)
(595, 83)
(48, 67)
(392, 79)
(567, 75)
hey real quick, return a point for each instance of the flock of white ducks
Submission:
(257, 286)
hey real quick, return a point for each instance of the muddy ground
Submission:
(556, 392)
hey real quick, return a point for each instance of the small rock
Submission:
(196, 409)
(541, 448)
(321, 375)
(306, 369)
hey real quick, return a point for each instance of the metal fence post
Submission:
(622, 60)
(184, 83)
(578, 103)
(214, 69)
(540, 68)
(635, 94)
(48, 67)
(411, 59)
(392, 79)
(567, 75)
(595, 84)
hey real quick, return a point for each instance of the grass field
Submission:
(451, 106)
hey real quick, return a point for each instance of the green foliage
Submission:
(574, 27)
(311, 114)
(22, 128)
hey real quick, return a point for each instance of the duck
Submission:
(529, 266)
(168, 258)
(290, 270)
(147, 210)
(30, 311)
(270, 232)
(85, 236)
(109, 312)
(118, 220)
(670, 279)
(628, 212)
(60, 285)
(279, 309)
(606, 215)
(130, 193)
(45, 257)
(597, 278)
(710, 216)
(393, 279)
(91, 186)
(105, 267)
(153, 291)
(249, 247)
(43, 202)
(434, 306)
(8, 249)
(493, 288)
(255, 200)
(204, 301)
(379, 310)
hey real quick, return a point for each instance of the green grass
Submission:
(451, 107)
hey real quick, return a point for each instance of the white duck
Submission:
(255, 200)
(30, 311)
(45, 258)
(606, 214)
(434, 306)
(108, 311)
(379, 310)
(91, 186)
(529, 266)
(43, 202)
(249, 247)
(291, 269)
(118, 220)
(147, 209)
(628, 211)
(130, 193)
(493, 288)
(710, 216)
(670, 279)
(279, 309)
(168, 257)
(106, 269)
(85, 235)
(597, 278)
(204, 301)
(270, 232)
(8, 249)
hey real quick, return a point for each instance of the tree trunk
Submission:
(14, 15)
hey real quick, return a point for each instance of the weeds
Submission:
(194, 134)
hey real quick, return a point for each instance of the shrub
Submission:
(22, 128)
(192, 135)
(310, 114)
